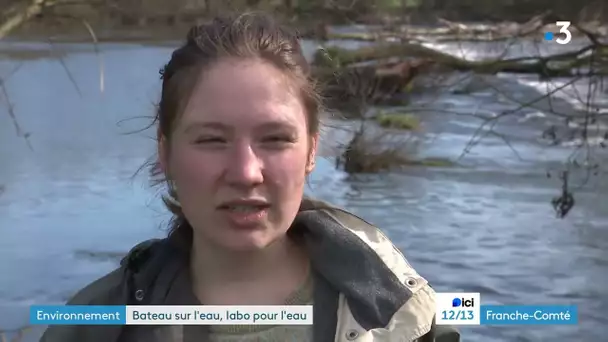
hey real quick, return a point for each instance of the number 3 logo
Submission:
(564, 29)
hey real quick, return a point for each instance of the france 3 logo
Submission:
(458, 308)
(564, 36)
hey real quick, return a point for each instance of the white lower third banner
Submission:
(171, 315)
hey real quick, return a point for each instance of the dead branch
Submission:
(17, 17)
(556, 65)
(20, 16)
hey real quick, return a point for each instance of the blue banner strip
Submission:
(78, 315)
(528, 314)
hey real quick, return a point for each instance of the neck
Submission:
(217, 272)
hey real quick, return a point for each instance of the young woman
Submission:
(238, 128)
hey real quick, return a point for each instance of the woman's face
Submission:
(240, 154)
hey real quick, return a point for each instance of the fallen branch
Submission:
(20, 16)
(452, 31)
(16, 17)
(557, 65)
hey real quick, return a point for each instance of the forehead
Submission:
(244, 93)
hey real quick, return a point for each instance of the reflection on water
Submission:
(74, 205)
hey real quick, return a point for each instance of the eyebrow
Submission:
(218, 126)
(276, 125)
(208, 125)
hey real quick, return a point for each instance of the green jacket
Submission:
(364, 289)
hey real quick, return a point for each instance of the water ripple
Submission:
(70, 210)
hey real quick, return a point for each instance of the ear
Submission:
(310, 164)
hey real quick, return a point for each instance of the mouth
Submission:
(245, 213)
(244, 205)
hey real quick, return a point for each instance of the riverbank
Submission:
(157, 20)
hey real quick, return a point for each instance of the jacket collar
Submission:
(350, 265)
(342, 259)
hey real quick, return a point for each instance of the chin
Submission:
(245, 242)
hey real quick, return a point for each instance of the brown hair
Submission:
(251, 35)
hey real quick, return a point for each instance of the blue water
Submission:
(73, 205)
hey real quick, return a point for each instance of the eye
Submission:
(279, 138)
(209, 140)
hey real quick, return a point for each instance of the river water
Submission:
(73, 204)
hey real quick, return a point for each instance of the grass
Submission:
(400, 121)
(379, 150)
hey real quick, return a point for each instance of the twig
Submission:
(11, 113)
(67, 70)
(98, 53)
(472, 142)
(35, 8)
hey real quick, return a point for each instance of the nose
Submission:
(244, 168)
